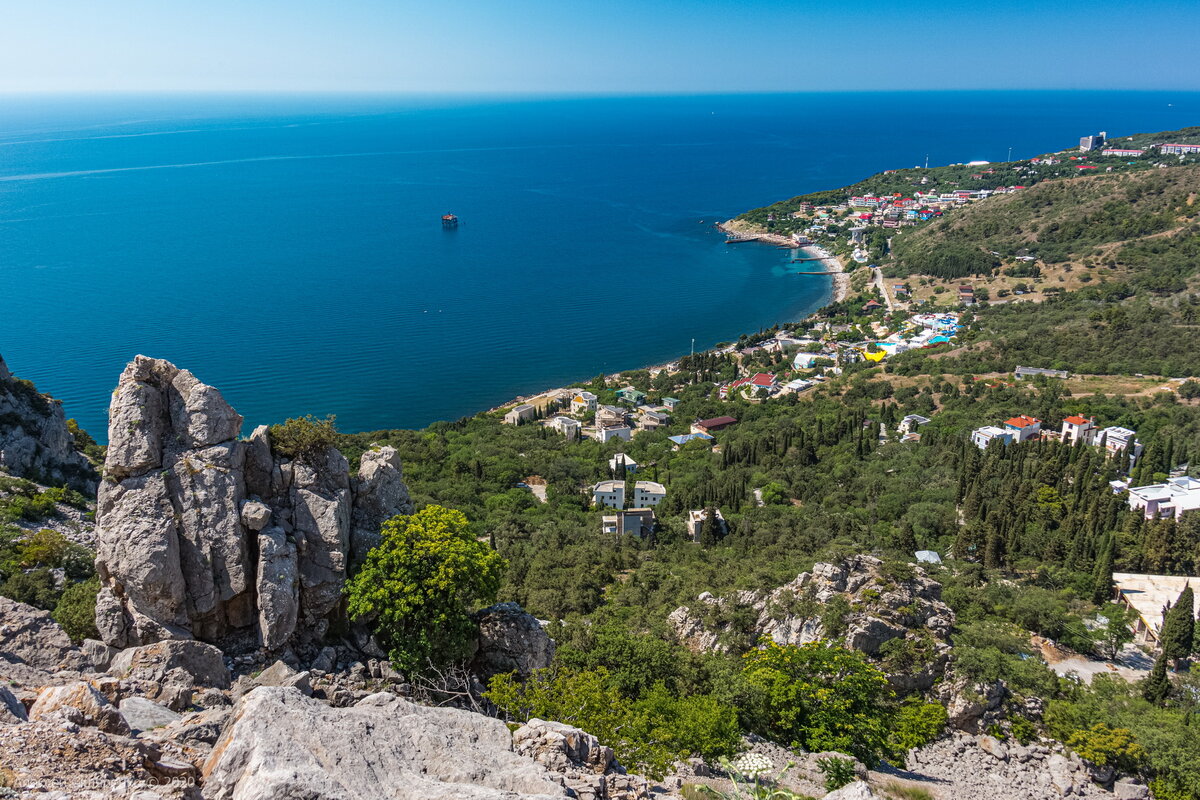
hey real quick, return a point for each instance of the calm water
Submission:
(288, 250)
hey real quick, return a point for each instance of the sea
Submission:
(289, 249)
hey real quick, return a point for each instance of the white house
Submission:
(610, 415)
(609, 493)
(1170, 499)
(583, 402)
(982, 437)
(1116, 439)
(622, 460)
(520, 413)
(568, 427)
(910, 422)
(607, 433)
(1023, 428)
(647, 494)
(1077, 429)
(695, 521)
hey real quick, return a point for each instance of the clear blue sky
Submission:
(615, 46)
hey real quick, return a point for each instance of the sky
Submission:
(595, 46)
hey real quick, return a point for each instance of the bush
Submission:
(419, 585)
(35, 588)
(837, 771)
(304, 438)
(76, 610)
(917, 724)
(820, 697)
(1108, 747)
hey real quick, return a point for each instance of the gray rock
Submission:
(173, 661)
(858, 790)
(29, 637)
(379, 495)
(97, 654)
(282, 744)
(199, 728)
(81, 704)
(510, 639)
(326, 660)
(993, 747)
(1129, 789)
(144, 715)
(255, 515)
(280, 674)
(12, 710)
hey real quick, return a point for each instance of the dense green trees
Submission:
(417, 587)
(1179, 625)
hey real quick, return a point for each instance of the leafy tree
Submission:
(1108, 747)
(417, 587)
(820, 697)
(1116, 632)
(1179, 627)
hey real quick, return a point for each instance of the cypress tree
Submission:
(1157, 687)
(709, 531)
(1179, 627)
(1102, 580)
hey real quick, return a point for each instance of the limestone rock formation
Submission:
(883, 608)
(34, 440)
(510, 639)
(31, 641)
(283, 744)
(80, 704)
(204, 535)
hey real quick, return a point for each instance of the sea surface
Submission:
(289, 249)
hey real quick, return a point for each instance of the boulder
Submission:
(280, 674)
(97, 654)
(173, 662)
(144, 715)
(30, 637)
(379, 495)
(510, 639)
(283, 744)
(278, 584)
(198, 728)
(81, 704)
(858, 790)
(12, 710)
(560, 747)
(1129, 789)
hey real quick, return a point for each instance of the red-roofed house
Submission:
(1023, 428)
(1078, 429)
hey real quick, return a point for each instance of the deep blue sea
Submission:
(289, 250)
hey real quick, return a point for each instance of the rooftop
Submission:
(715, 421)
(1075, 419)
(1149, 594)
(1022, 421)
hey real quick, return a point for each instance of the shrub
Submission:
(1108, 747)
(418, 586)
(76, 610)
(917, 724)
(837, 771)
(304, 438)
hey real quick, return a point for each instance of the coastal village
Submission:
(783, 364)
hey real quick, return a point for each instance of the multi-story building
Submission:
(568, 427)
(583, 402)
(983, 437)
(637, 522)
(647, 494)
(1170, 499)
(1077, 429)
(1179, 149)
(609, 493)
(520, 413)
(695, 522)
(1023, 427)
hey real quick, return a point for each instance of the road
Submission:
(877, 282)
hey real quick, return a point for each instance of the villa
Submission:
(583, 402)
(983, 437)
(681, 439)
(568, 427)
(609, 493)
(1077, 429)
(695, 522)
(1023, 428)
(647, 494)
(637, 522)
(622, 461)
(1170, 499)
(606, 433)
(911, 422)
(520, 413)
(713, 425)
(631, 395)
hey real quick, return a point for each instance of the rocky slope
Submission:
(201, 534)
(883, 614)
(34, 440)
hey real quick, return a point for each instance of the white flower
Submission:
(752, 765)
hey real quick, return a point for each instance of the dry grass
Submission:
(902, 791)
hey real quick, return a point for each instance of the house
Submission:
(670, 403)
(983, 437)
(762, 380)
(1123, 152)
(610, 415)
(872, 305)
(606, 433)
(1023, 428)
(570, 428)
(1149, 596)
(910, 422)
(1116, 440)
(712, 425)
(805, 360)
(798, 385)
(647, 494)
(684, 438)
(622, 461)
(966, 295)
(652, 420)
(1170, 499)
(695, 522)
(631, 395)
(609, 493)
(1076, 429)
(583, 402)
(1179, 149)
(637, 522)
(899, 289)
(1032, 372)
(520, 413)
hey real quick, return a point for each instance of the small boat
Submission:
(449, 221)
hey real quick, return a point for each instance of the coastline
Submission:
(840, 290)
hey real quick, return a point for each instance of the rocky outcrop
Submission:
(283, 744)
(34, 440)
(203, 535)
(510, 640)
(79, 704)
(590, 770)
(31, 642)
(881, 608)
(981, 768)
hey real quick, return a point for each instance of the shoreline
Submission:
(839, 291)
